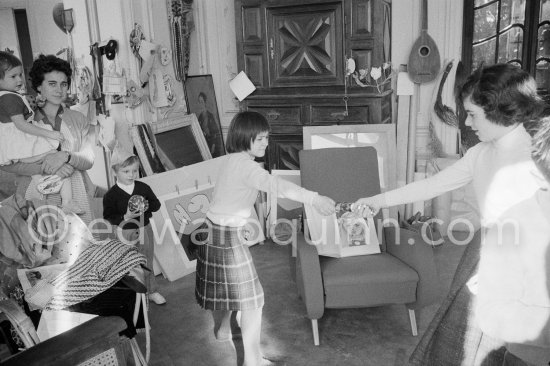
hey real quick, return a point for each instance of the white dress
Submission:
(16, 144)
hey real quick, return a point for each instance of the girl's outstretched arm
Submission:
(22, 125)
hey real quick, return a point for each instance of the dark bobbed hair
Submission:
(244, 128)
(45, 64)
(541, 147)
(130, 161)
(203, 96)
(7, 62)
(507, 94)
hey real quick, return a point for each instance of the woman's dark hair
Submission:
(507, 94)
(7, 62)
(45, 64)
(541, 147)
(244, 128)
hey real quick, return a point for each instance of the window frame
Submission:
(530, 34)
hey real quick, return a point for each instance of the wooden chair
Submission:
(401, 274)
(94, 342)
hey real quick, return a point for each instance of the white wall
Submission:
(46, 37)
(8, 33)
(217, 51)
(445, 27)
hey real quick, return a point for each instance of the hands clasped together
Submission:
(366, 207)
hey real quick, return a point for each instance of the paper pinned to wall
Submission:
(146, 49)
(405, 86)
(241, 86)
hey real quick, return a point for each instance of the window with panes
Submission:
(513, 31)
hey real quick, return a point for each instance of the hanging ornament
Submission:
(136, 36)
(180, 16)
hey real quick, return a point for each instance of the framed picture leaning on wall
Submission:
(201, 100)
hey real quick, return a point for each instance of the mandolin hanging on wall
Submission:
(424, 60)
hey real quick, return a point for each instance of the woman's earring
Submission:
(40, 101)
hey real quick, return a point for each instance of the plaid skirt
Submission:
(226, 278)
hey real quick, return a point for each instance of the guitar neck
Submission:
(424, 15)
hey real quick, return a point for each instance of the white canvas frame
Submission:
(170, 124)
(173, 260)
(379, 136)
(164, 125)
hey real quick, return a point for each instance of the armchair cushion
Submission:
(368, 280)
(419, 256)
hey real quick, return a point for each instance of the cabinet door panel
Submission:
(334, 114)
(361, 18)
(305, 45)
(252, 24)
(254, 68)
(363, 59)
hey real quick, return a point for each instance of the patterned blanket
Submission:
(97, 268)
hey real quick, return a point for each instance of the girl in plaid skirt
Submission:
(226, 279)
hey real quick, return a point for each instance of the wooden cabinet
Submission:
(294, 51)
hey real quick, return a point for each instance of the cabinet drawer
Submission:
(335, 114)
(279, 115)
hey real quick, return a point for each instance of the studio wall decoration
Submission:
(180, 19)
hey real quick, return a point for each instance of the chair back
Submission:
(343, 174)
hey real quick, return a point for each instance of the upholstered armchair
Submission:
(403, 273)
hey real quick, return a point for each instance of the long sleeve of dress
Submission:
(453, 177)
(260, 179)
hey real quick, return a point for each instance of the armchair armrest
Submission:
(309, 279)
(418, 255)
(74, 346)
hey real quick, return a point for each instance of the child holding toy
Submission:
(129, 205)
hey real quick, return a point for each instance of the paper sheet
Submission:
(54, 322)
(145, 49)
(241, 86)
(405, 86)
